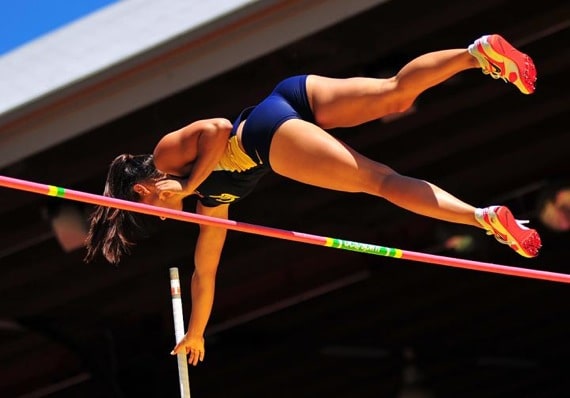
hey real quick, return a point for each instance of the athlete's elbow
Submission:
(218, 129)
(221, 125)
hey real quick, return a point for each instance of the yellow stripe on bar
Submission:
(56, 191)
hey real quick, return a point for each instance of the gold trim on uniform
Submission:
(234, 159)
(225, 197)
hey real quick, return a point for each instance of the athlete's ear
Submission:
(141, 189)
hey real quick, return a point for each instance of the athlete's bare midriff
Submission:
(238, 134)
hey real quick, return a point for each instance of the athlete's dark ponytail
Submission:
(112, 231)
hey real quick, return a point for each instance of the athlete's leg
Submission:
(356, 100)
(324, 161)
(353, 101)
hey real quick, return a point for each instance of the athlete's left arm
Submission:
(206, 259)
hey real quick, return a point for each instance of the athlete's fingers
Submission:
(194, 356)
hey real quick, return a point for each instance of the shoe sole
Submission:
(518, 67)
(526, 241)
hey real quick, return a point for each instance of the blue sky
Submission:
(24, 20)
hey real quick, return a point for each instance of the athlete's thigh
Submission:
(352, 101)
(306, 153)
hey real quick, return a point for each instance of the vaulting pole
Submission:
(178, 317)
(179, 215)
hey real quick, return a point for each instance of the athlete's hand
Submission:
(170, 187)
(193, 346)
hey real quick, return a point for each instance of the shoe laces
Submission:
(486, 67)
(490, 71)
(495, 74)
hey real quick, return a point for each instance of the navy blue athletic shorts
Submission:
(287, 101)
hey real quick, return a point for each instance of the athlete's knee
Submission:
(403, 104)
(378, 180)
(403, 97)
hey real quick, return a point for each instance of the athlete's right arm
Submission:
(206, 259)
(193, 151)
